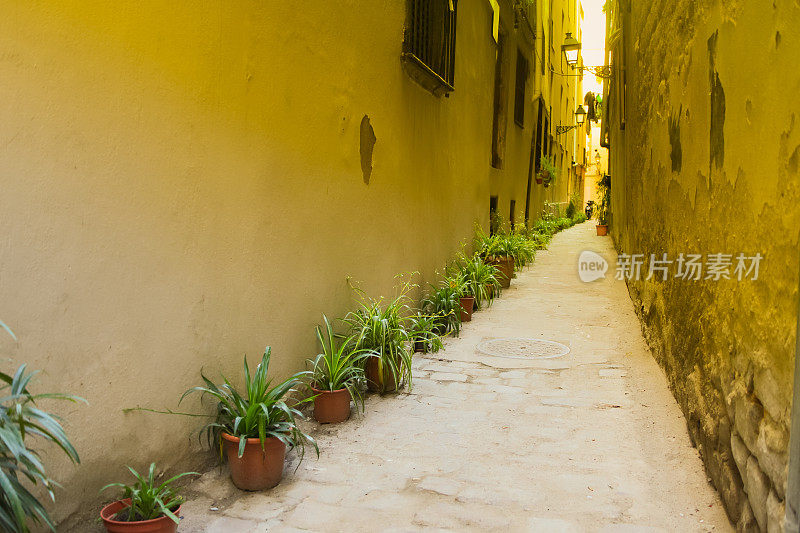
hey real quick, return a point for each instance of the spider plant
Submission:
(340, 365)
(383, 330)
(424, 331)
(481, 280)
(261, 412)
(149, 499)
(21, 469)
(442, 303)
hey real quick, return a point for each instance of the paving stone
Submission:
(226, 524)
(551, 525)
(445, 486)
(448, 376)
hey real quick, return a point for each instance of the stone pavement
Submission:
(589, 441)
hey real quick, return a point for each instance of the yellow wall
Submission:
(727, 346)
(182, 186)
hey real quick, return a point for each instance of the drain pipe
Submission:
(792, 519)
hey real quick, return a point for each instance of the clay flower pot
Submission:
(374, 378)
(256, 469)
(602, 229)
(506, 267)
(467, 303)
(331, 407)
(162, 524)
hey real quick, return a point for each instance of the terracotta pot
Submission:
(538, 180)
(375, 380)
(467, 303)
(602, 229)
(331, 407)
(256, 469)
(163, 524)
(506, 267)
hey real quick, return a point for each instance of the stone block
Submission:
(757, 485)
(771, 451)
(748, 418)
(771, 395)
(776, 511)
(740, 455)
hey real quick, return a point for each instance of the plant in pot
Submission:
(548, 172)
(147, 506)
(480, 279)
(337, 376)
(252, 430)
(495, 250)
(23, 425)
(444, 305)
(604, 190)
(383, 330)
(424, 329)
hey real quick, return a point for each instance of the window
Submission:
(500, 105)
(519, 92)
(430, 43)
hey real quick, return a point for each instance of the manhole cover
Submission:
(521, 348)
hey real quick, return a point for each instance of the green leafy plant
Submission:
(425, 331)
(573, 207)
(479, 279)
(548, 170)
(604, 191)
(261, 412)
(149, 499)
(442, 303)
(21, 468)
(340, 365)
(383, 329)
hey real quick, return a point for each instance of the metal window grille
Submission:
(430, 37)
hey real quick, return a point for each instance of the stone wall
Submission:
(705, 150)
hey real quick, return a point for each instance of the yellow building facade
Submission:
(187, 182)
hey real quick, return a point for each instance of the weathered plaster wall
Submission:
(708, 162)
(185, 182)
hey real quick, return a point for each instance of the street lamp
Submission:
(580, 115)
(580, 118)
(571, 49)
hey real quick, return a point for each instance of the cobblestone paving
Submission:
(590, 441)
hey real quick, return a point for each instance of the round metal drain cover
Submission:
(522, 348)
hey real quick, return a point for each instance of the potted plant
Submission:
(24, 425)
(444, 305)
(604, 190)
(383, 331)
(548, 172)
(495, 250)
(253, 429)
(147, 506)
(424, 333)
(337, 375)
(480, 279)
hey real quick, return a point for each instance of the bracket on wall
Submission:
(603, 72)
(564, 129)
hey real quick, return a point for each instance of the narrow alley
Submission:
(588, 441)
